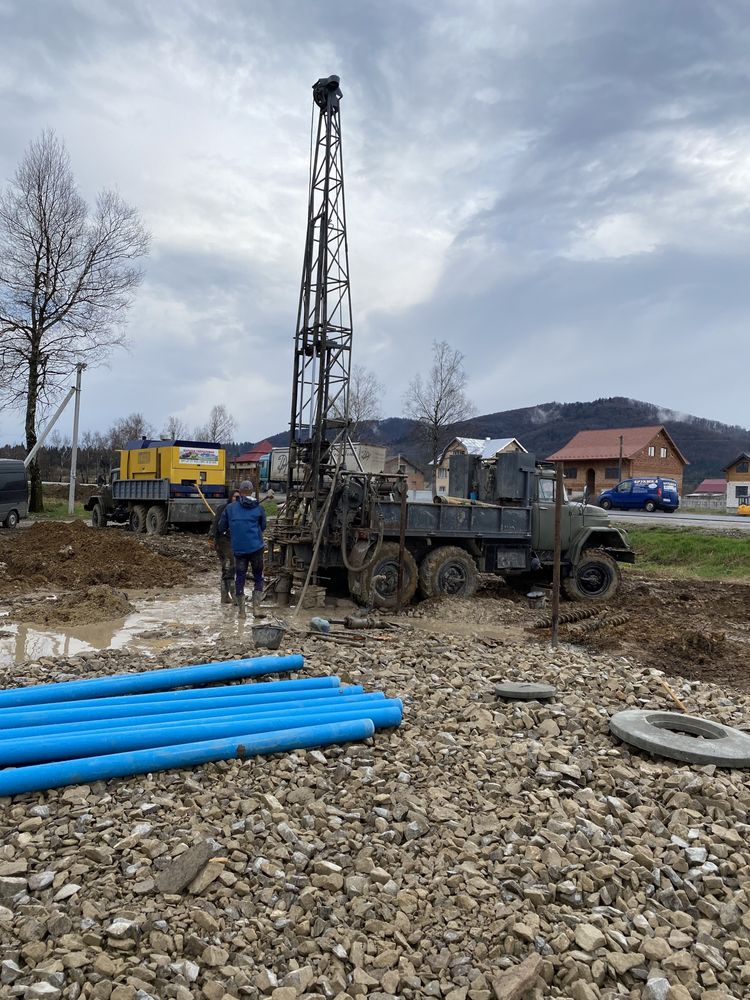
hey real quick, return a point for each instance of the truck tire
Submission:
(11, 519)
(156, 520)
(98, 516)
(605, 504)
(379, 581)
(596, 577)
(650, 506)
(448, 571)
(138, 518)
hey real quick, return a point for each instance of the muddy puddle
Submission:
(181, 618)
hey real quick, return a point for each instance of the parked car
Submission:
(14, 492)
(642, 494)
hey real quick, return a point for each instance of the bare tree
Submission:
(365, 396)
(219, 427)
(131, 428)
(67, 278)
(439, 400)
(175, 428)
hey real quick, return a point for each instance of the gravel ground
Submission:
(485, 850)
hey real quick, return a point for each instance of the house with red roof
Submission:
(249, 464)
(602, 458)
(710, 494)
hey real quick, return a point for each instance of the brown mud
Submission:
(99, 603)
(63, 556)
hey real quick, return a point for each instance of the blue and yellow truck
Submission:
(160, 484)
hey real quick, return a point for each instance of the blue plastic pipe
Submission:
(253, 688)
(151, 680)
(39, 777)
(166, 715)
(43, 715)
(67, 747)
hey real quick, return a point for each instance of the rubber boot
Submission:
(226, 595)
(257, 597)
(240, 605)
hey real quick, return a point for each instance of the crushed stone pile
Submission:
(486, 850)
(79, 607)
(70, 555)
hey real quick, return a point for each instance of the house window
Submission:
(571, 473)
(651, 451)
(442, 473)
(742, 467)
(612, 473)
(662, 452)
(741, 491)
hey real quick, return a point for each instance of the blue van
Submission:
(642, 494)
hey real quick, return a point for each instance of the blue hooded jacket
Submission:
(246, 520)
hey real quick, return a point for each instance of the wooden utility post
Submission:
(619, 464)
(558, 548)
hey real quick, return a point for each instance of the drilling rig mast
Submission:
(323, 341)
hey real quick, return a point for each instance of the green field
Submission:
(690, 552)
(57, 510)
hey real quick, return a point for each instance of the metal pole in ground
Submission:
(558, 547)
(74, 450)
(401, 545)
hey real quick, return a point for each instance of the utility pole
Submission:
(74, 450)
(619, 464)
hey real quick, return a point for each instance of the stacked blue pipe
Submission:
(60, 734)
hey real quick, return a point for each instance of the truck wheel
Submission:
(448, 572)
(138, 518)
(156, 520)
(98, 517)
(595, 578)
(11, 519)
(605, 504)
(650, 506)
(379, 582)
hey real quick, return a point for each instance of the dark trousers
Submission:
(241, 562)
(223, 551)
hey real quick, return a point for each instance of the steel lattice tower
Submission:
(323, 341)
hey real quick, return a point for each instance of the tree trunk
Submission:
(36, 497)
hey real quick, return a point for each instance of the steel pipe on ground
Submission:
(123, 720)
(43, 715)
(150, 680)
(66, 746)
(39, 777)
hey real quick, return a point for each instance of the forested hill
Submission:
(707, 444)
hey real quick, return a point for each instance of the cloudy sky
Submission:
(560, 188)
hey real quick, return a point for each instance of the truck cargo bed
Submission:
(449, 521)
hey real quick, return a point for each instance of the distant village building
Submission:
(252, 465)
(711, 494)
(738, 482)
(485, 447)
(602, 458)
(401, 464)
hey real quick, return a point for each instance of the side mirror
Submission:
(585, 495)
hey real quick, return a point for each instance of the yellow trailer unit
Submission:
(182, 463)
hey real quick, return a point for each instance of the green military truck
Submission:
(506, 529)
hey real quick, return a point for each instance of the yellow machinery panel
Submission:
(204, 464)
(177, 463)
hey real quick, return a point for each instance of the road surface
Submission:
(682, 519)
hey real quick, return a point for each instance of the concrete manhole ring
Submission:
(688, 738)
(525, 691)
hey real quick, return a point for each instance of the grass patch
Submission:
(57, 510)
(691, 552)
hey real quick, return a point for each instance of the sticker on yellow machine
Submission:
(198, 456)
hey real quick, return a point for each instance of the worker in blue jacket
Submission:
(246, 521)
